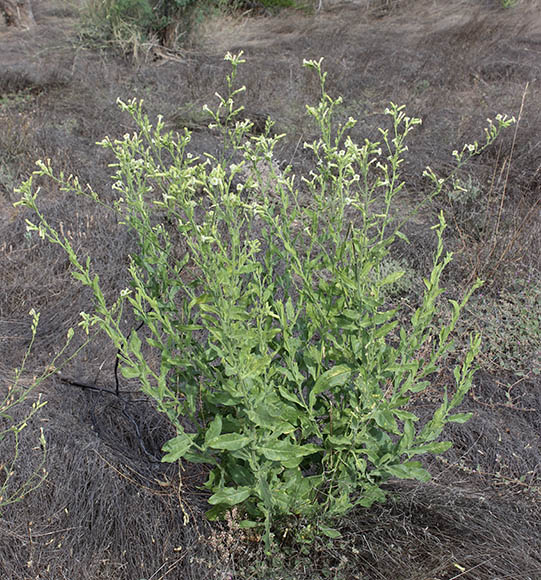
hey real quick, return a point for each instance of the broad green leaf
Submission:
(196, 458)
(134, 343)
(229, 442)
(283, 428)
(298, 486)
(381, 317)
(230, 496)
(221, 398)
(214, 429)
(386, 420)
(289, 454)
(177, 447)
(130, 372)
(418, 387)
(289, 396)
(385, 329)
(407, 438)
(344, 323)
(241, 474)
(275, 417)
(341, 504)
(460, 417)
(339, 442)
(408, 470)
(248, 524)
(370, 496)
(405, 415)
(352, 315)
(338, 375)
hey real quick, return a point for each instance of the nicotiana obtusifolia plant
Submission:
(279, 361)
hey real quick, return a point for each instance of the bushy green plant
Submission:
(279, 361)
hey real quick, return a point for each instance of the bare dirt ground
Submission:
(109, 509)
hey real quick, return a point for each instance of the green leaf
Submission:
(408, 470)
(330, 532)
(221, 398)
(248, 524)
(177, 447)
(386, 420)
(214, 429)
(134, 343)
(405, 415)
(339, 442)
(381, 317)
(288, 454)
(289, 396)
(402, 237)
(337, 376)
(418, 387)
(384, 330)
(353, 315)
(229, 442)
(370, 496)
(195, 458)
(188, 327)
(130, 372)
(230, 496)
(460, 417)
(409, 434)
(276, 418)
(290, 311)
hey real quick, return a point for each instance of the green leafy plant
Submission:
(279, 362)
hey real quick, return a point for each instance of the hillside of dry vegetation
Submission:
(109, 508)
